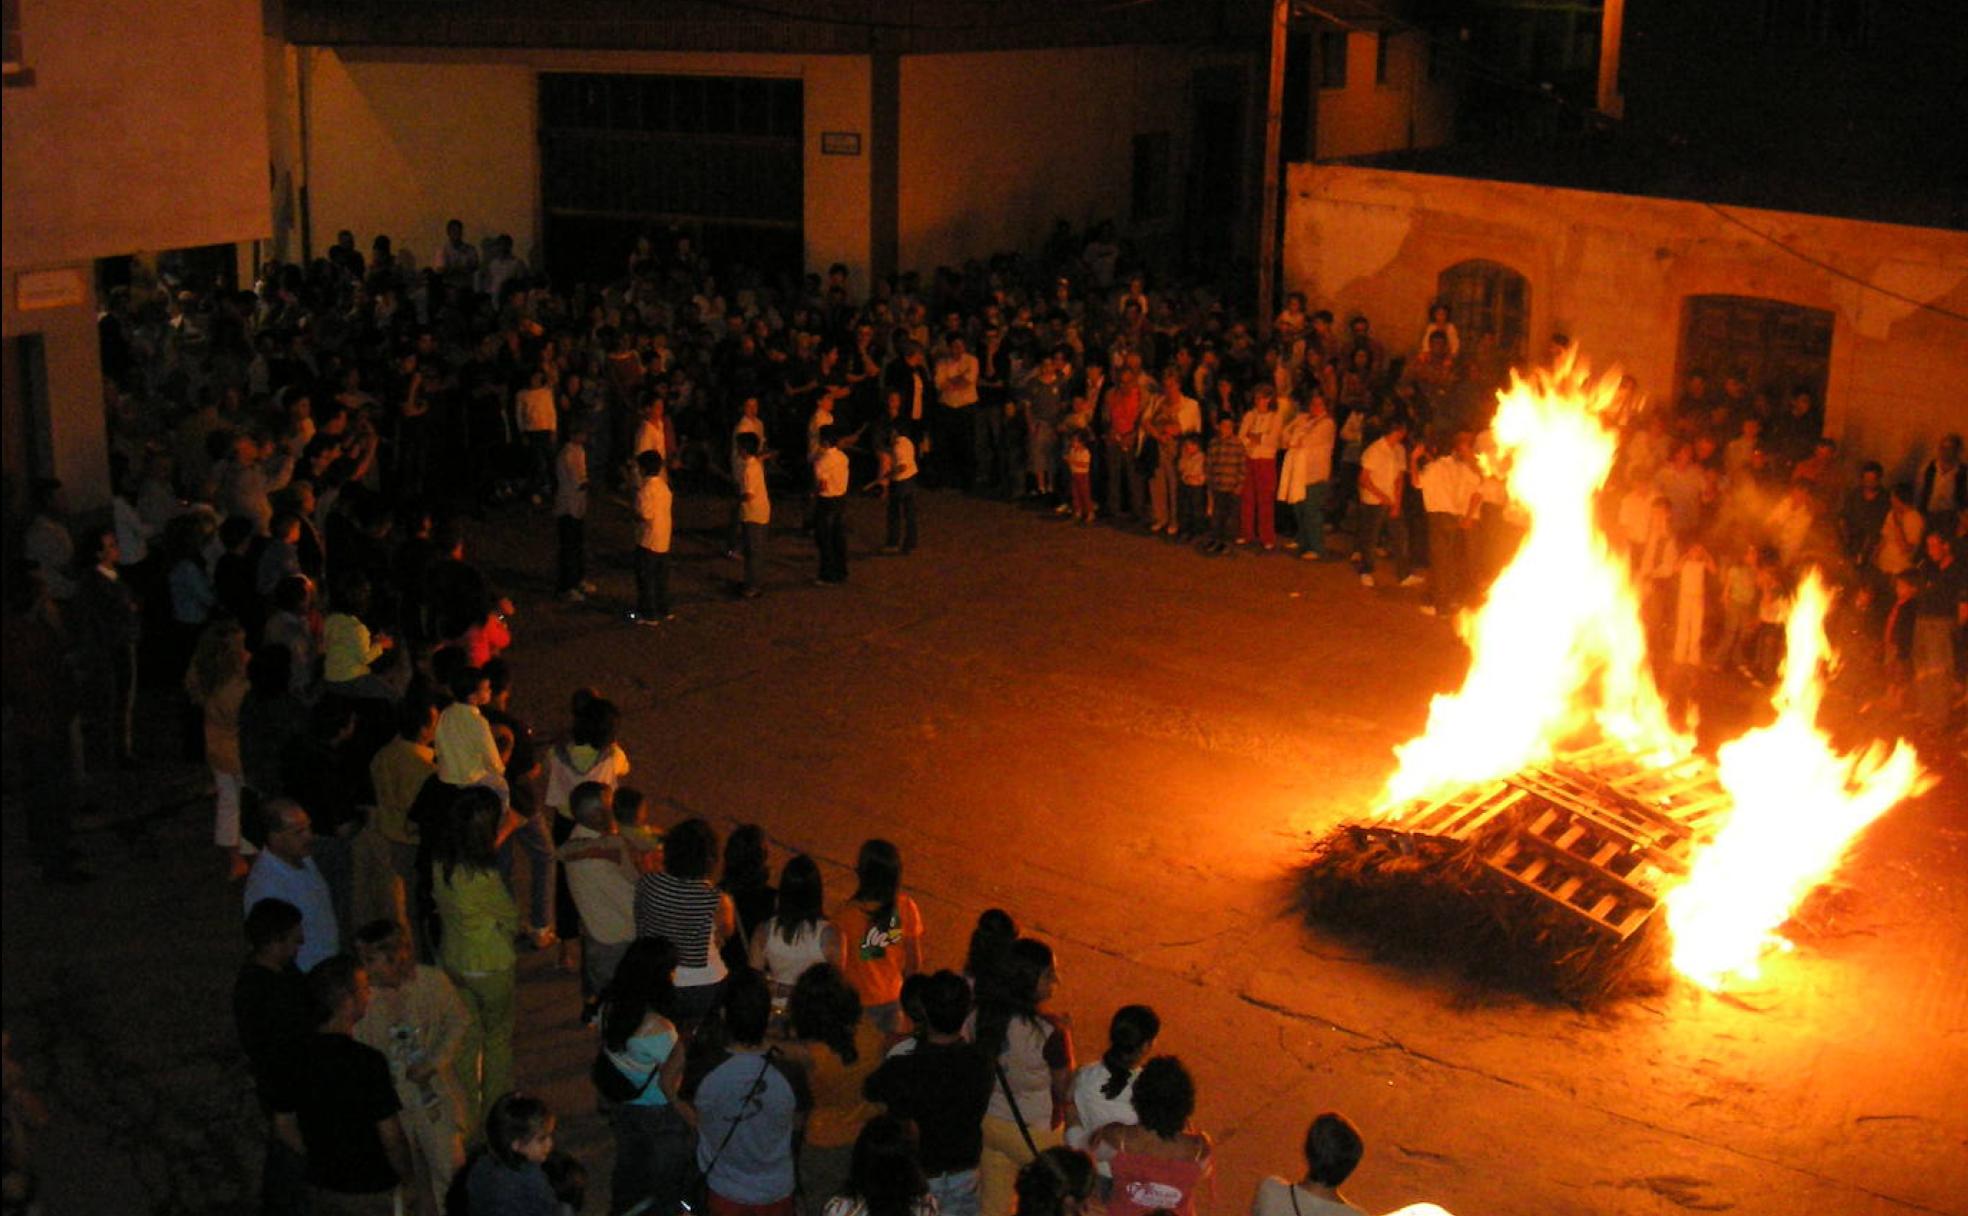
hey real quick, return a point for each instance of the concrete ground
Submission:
(1126, 745)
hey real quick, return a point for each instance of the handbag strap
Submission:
(1004, 1082)
(744, 1112)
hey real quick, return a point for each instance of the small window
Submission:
(1332, 59)
(1380, 57)
(1487, 300)
(1151, 176)
(13, 65)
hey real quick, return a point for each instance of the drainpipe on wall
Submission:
(1612, 18)
(1274, 113)
(302, 63)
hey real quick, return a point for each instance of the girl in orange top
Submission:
(881, 933)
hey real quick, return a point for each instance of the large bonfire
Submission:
(1558, 663)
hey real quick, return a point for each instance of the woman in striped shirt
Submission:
(678, 902)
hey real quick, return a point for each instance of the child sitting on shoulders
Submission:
(638, 829)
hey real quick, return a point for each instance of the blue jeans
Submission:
(956, 1193)
(531, 838)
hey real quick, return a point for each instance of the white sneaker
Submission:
(1428, 610)
(1366, 580)
(1413, 580)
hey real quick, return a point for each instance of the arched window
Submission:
(1487, 299)
(1775, 348)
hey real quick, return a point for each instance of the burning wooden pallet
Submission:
(1596, 833)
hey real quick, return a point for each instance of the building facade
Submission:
(1868, 315)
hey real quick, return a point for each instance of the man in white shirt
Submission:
(1450, 486)
(285, 870)
(830, 506)
(1383, 478)
(652, 554)
(502, 268)
(457, 261)
(956, 389)
(898, 483)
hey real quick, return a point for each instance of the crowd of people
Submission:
(296, 467)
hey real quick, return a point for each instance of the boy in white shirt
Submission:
(830, 506)
(652, 554)
(601, 878)
(898, 482)
(754, 509)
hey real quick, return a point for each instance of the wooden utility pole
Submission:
(1274, 115)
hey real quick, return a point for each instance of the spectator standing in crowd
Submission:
(957, 394)
(40, 700)
(1229, 477)
(284, 870)
(1032, 1052)
(601, 877)
(881, 932)
(509, 1177)
(1333, 1149)
(398, 773)
(797, 936)
(1449, 494)
(643, 1050)
(1119, 409)
(1103, 1092)
(1940, 615)
(337, 1107)
(416, 1021)
(104, 625)
(274, 1015)
(1057, 1181)
(1308, 440)
(749, 1107)
(479, 922)
(46, 540)
(1079, 471)
(943, 1088)
(1383, 482)
(1943, 485)
(837, 1050)
(885, 1178)
(215, 681)
(1159, 1163)
(680, 904)
(1260, 430)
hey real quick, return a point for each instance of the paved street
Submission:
(1124, 744)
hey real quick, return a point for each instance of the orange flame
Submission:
(1557, 647)
(1558, 654)
(1798, 806)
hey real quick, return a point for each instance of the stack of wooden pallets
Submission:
(1598, 832)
